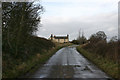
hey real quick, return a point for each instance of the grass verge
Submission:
(108, 66)
(46, 57)
(33, 63)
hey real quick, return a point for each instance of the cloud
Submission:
(71, 26)
(73, 8)
(111, 29)
(68, 16)
(79, 1)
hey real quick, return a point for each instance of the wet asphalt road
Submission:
(68, 63)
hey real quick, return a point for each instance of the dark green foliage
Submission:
(82, 40)
(19, 44)
(106, 64)
(104, 54)
(35, 46)
(19, 21)
(100, 46)
(75, 42)
(113, 39)
(99, 36)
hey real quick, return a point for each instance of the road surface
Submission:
(68, 63)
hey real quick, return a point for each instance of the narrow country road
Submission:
(68, 63)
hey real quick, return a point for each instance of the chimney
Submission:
(51, 36)
(67, 35)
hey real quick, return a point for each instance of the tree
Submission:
(99, 36)
(114, 39)
(19, 21)
(81, 38)
(75, 42)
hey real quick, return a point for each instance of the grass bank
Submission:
(107, 65)
(16, 68)
(41, 59)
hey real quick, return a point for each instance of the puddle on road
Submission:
(60, 71)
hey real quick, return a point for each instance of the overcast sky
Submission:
(62, 17)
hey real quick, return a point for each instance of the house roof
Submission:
(60, 37)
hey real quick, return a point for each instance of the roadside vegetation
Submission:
(102, 52)
(22, 50)
(28, 63)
